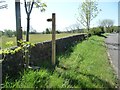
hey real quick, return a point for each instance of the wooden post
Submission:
(18, 21)
(53, 37)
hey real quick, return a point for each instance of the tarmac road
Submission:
(113, 45)
(0, 74)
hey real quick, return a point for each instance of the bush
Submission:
(95, 31)
(8, 33)
(109, 29)
(15, 59)
(116, 29)
(1, 33)
(58, 32)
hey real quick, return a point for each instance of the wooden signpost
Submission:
(53, 19)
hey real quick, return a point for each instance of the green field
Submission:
(85, 65)
(33, 39)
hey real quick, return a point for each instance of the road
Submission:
(113, 45)
(0, 74)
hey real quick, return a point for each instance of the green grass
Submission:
(87, 66)
(34, 38)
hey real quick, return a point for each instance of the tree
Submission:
(87, 12)
(75, 28)
(28, 9)
(108, 24)
(32, 30)
(47, 31)
(24, 32)
(58, 32)
(8, 33)
(116, 29)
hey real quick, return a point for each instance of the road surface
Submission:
(113, 45)
(0, 74)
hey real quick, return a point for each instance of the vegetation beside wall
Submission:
(39, 54)
(85, 65)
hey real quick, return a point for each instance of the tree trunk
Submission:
(18, 22)
(28, 27)
(88, 28)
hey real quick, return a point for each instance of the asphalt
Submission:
(113, 44)
(0, 74)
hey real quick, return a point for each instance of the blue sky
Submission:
(65, 14)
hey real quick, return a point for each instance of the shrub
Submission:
(8, 33)
(109, 29)
(95, 31)
(15, 59)
(116, 29)
(1, 33)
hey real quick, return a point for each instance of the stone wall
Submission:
(42, 51)
(40, 54)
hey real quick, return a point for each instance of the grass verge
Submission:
(87, 66)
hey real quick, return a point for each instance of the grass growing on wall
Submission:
(87, 66)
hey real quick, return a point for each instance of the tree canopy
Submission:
(106, 23)
(87, 12)
(28, 8)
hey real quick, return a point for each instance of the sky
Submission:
(65, 10)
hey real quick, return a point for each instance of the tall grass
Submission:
(87, 66)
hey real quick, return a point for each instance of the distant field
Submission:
(33, 38)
